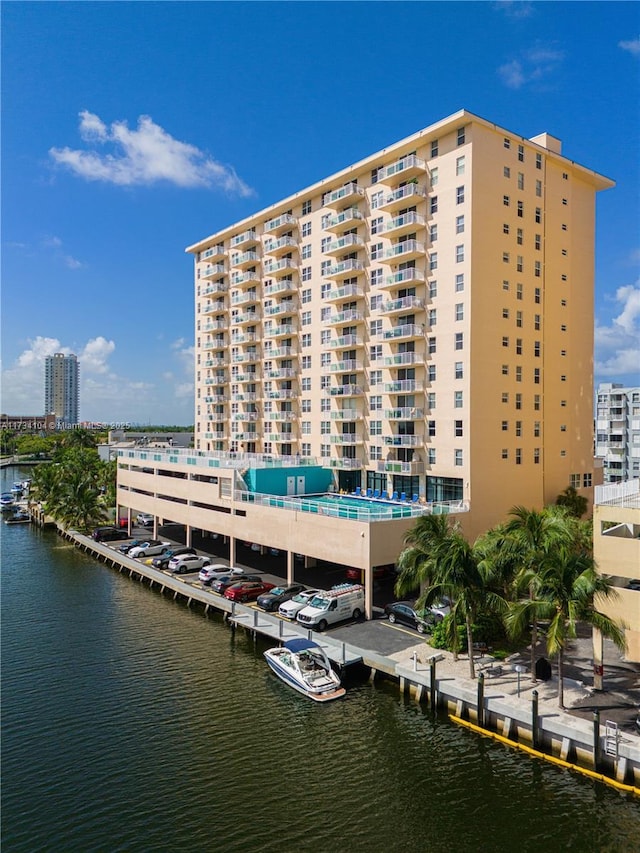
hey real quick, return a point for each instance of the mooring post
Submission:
(432, 682)
(481, 699)
(596, 740)
(534, 719)
(344, 653)
(280, 627)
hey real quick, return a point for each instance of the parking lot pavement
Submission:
(377, 635)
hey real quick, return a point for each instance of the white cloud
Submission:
(618, 344)
(535, 66)
(144, 156)
(632, 46)
(514, 8)
(55, 245)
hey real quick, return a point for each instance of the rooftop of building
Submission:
(625, 494)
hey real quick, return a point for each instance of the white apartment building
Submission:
(618, 431)
(61, 387)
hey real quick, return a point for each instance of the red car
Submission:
(247, 590)
(379, 572)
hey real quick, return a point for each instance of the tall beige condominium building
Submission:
(421, 322)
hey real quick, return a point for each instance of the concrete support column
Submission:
(189, 535)
(368, 593)
(232, 550)
(310, 562)
(290, 562)
(598, 659)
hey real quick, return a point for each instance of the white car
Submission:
(149, 550)
(217, 570)
(144, 519)
(291, 608)
(187, 563)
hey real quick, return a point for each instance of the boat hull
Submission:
(324, 694)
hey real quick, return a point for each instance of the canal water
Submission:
(131, 723)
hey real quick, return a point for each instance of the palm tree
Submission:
(426, 534)
(46, 486)
(83, 505)
(79, 438)
(564, 590)
(530, 536)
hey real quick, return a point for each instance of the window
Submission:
(325, 266)
(433, 233)
(457, 399)
(325, 313)
(431, 346)
(505, 426)
(518, 346)
(431, 373)
(518, 401)
(505, 340)
(377, 277)
(505, 369)
(433, 261)
(505, 257)
(537, 296)
(306, 273)
(306, 229)
(459, 224)
(433, 204)
(505, 397)
(586, 481)
(461, 136)
(519, 263)
(521, 153)
(519, 291)
(305, 383)
(563, 327)
(306, 296)
(518, 373)
(506, 200)
(375, 427)
(537, 269)
(563, 277)
(434, 176)
(433, 316)
(306, 362)
(459, 254)
(375, 453)
(505, 228)
(536, 429)
(460, 195)
(305, 449)
(564, 226)
(431, 429)
(306, 207)
(458, 370)
(520, 237)
(460, 311)
(536, 349)
(565, 202)
(536, 402)
(306, 405)
(505, 313)
(518, 456)
(457, 429)
(325, 359)
(505, 284)
(325, 405)
(375, 352)
(459, 282)
(564, 253)
(536, 375)
(538, 161)
(325, 427)
(536, 322)
(538, 216)
(518, 429)
(375, 378)
(305, 317)
(434, 147)
(305, 427)
(539, 189)
(457, 457)
(520, 180)
(325, 336)
(433, 289)
(459, 340)
(565, 176)
(460, 165)
(520, 209)
(306, 340)
(325, 289)
(505, 453)
(506, 172)
(375, 327)
(376, 251)
(306, 251)
(431, 455)
(519, 319)
(537, 242)
(431, 401)
(507, 142)
(377, 225)
(376, 301)
(575, 481)
(375, 403)
(376, 199)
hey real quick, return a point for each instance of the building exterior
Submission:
(61, 387)
(616, 548)
(420, 321)
(618, 431)
(28, 423)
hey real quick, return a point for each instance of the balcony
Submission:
(280, 247)
(344, 244)
(405, 303)
(248, 417)
(217, 397)
(245, 318)
(408, 331)
(217, 418)
(281, 373)
(343, 317)
(215, 288)
(402, 196)
(214, 253)
(402, 278)
(346, 341)
(279, 287)
(285, 266)
(215, 344)
(220, 361)
(407, 167)
(244, 397)
(280, 416)
(405, 224)
(403, 440)
(210, 325)
(245, 338)
(345, 219)
(347, 366)
(212, 271)
(343, 269)
(214, 308)
(281, 394)
(243, 239)
(342, 194)
(246, 358)
(250, 376)
(280, 437)
(399, 359)
(218, 436)
(246, 259)
(219, 379)
(247, 298)
(349, 291)
(404, 386)
(347, 438)
(280, 352)
(404, 413)
(245, 436)
(347, 415)
(287, 306)
(286, 330)
(393, 467)
(344, 463)
(241, 280)
(344, 391)
(281, 223)
(405, 251)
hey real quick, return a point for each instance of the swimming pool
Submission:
(338, 506)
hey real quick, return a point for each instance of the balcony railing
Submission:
(393, 467)
(283, 331)
(342, 220)
(246, 358)
(241, 279)
(245, 317)
(346, 438)
(402, 277)
(347, 415)
(283, 245)
(343, 244)
(216, 287)
(214, 308)
(213, 270)
(349, 291)
(344, 462)
(403, 440)
(399, 196)
(220, 379)
(244, 298)
(405, 166)
(345, 341)
(281, 373)
(344, 268)
(282, 394)
(246, 237)
(280, 352)
(344, 391)
(350, 316)
(213, 324)
(251, 376)
(347, 366)
(212, 253)
(404, 386)
(406, 222)
(288, 306)
(216, 343)
(221, 361)
(350, 190)
(280, 287)
(245, 259)
(404, 250)
(404, 413)
(281, 437)
(280, 223)
(245, 338)
(280, 416)
(407, 330)
(281, 267)
(405, 303)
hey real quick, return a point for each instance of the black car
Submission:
(162, 561)
(404, 612)
(224, 582)
(278, 595)
(108, 534)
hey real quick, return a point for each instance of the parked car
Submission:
(149, 549)
(247, 590)
(278, 595)
(108, 534)
(223, 583)
(162, 562)
(405, 613)
(134, 543)
(186, 563)
(290, 609)
(379, 572)
(144, 519)
(216, 570)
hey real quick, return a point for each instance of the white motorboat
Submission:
(303, 665)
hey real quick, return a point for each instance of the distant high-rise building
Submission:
(618, 431)
(61, 387)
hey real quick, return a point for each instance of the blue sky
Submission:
(131, 130)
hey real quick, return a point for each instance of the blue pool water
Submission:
(344, 506)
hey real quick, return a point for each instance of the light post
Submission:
(519, 669)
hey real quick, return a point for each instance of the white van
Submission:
(345, 601)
